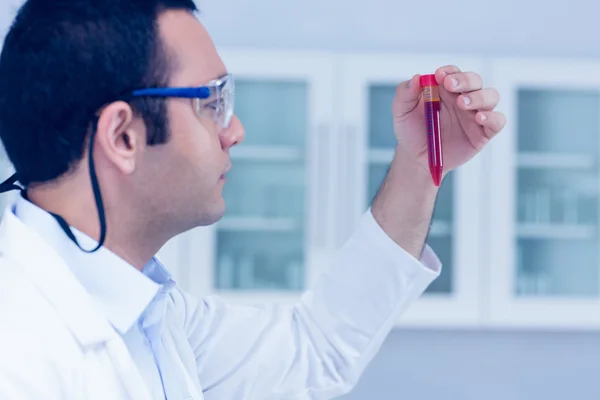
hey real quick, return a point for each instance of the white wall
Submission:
(466, 365)
(509, 27)
(7, 10)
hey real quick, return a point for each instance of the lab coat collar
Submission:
(55, 281)
(122, 292)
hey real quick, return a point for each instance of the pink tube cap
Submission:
(428, 80)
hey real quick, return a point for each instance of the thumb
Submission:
(407, 97)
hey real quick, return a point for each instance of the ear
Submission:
(119, 137)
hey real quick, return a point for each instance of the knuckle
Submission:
(472, 79)
(477, 100)
(450, 68)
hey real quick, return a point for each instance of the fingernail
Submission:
(467, 100)
(483, 117)
(454, 82)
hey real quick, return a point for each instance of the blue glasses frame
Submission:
(202, 92)
(223, 88)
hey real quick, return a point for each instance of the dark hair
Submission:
(62, 60)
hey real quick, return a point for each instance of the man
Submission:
(118, 118)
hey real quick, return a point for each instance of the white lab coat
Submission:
(56, 344)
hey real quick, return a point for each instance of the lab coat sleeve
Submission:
(318, 347)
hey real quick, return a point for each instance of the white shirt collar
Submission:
(121, 291)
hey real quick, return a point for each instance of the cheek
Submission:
(195, 142)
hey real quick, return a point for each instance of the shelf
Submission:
(555, 231)
(555, 160)
(261, 224)
(266, 153)
(381, 155)
(440, 228)
(266, 224)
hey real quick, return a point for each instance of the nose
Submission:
(234, 134)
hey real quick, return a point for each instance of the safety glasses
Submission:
(215, 100)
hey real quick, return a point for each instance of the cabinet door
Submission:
(368, 140)
(544, 204)
(276, 234)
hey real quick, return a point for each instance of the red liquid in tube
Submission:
(431, 98)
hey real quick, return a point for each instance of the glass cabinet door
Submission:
(548, 160)
(261, 241)
(370, 83)
(274, 238)
(557, 186)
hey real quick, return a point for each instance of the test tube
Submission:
(431, 98)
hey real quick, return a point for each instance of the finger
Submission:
(484, 99)
(462, 82)
(407, 97)
(492, 121)
(444, 71)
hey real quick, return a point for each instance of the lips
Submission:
(226, 171)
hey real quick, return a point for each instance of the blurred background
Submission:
(516, 312)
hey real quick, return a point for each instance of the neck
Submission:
(133, 239)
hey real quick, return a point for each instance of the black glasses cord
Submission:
(9, 185)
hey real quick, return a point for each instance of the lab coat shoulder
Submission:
(317, 347)
(54, 341)
(38, 357)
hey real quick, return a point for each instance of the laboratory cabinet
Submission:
(544, 177)
(516, 228)
(319, 140)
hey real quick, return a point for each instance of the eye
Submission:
(213, 105)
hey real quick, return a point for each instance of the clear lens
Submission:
(220, 105)
(227, 100)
